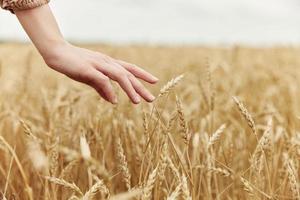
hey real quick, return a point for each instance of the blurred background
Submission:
(173, 22)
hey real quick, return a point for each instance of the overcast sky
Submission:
(262, 22)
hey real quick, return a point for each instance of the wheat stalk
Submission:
(73, 197)
(175, 171)
(145, 123)
(211, 85)
(72, 155)
(68, 169)
(54, 158)
(171, 121)
(132, 194)
(163, 160)
(14, 155)
(27, 130)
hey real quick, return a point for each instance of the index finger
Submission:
(138, 72)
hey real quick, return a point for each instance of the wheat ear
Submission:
(175, 194)
(99, 186)
(185, 189)
(246, 114)
(216, 135)
(182, 121)
(123, 165)
(263, 145)
(221, 171)
(84, 148)
(64, 183)
(147, 192)
(37, 156)
(247, 186)
(292, 176)
(170, 85)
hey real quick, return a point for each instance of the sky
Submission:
(263, 22)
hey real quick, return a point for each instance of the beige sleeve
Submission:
(14, 5)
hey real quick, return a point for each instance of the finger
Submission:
(138, 72)
(118, 74)
(102, 94)
(126, 85)
(102, 85)
(141, 90)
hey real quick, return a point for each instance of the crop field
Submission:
(225, 125)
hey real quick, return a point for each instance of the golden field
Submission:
(228, 129)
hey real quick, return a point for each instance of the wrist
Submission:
(52, 50)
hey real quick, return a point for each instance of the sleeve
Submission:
(15, 5)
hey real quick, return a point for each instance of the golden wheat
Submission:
(191, 143)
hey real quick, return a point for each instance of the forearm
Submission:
(42, 28)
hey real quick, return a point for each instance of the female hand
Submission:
(92, 68)
(97, 69)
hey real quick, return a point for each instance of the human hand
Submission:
(86, 66)
(97, 69)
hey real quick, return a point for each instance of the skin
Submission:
(92, 68)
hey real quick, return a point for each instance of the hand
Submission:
(92, 68)
(97, 69)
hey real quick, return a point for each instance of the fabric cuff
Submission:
(16, 5)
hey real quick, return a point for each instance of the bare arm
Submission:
(86, 66)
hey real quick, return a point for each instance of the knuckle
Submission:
(86, 76)
(99, 56)
(134, 66)
(140, 87)
(129, 75)
(104, 80)
(106, 58)
(90, 80)
(121, 75)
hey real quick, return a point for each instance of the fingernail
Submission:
(155, 79)
(137, 99)
(115, 101)
(151, 98)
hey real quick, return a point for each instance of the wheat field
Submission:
(225, 125)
